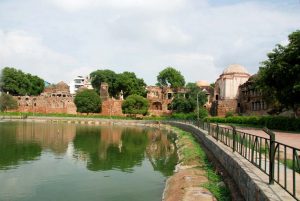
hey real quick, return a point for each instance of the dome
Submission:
(202, 83)
(61, 83)
(235, 68)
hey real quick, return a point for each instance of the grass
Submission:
(27, 114)
(289, 164)
(195, 152)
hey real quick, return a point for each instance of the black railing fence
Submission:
(279, 161)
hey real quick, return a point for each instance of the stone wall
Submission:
(221, 107)
(112, 107)
(46, 104)
(251, 100)
(252, 182)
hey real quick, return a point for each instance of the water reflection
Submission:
(102, 148)
(124, 148)
(54, 137)
(13, 152)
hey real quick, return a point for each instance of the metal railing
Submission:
(279, 161)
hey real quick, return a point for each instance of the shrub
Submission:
(271, 122)
(87, 101)
(229, 114)
(135, 104)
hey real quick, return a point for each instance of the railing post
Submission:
(271, 155)
(233, 138)
(217, 131)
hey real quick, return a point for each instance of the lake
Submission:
(60, 161)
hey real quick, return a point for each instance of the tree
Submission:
(188, 103)
(129, 84)
(108, 76)
(279, 75)
(16, 82)
(37, 85)
(7, 102)
(170, 77)
(135, 104)
(87, 101)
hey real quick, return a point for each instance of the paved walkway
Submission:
(291, 139)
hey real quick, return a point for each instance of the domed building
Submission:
(202, 83)
(227, 88)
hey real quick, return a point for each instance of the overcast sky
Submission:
(59, 39)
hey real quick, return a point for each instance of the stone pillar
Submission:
(104, 91)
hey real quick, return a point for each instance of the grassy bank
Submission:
(193, 152)
(96, 116)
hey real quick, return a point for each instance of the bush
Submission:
(185, 116)
(135, 104)
(229, 114)
(87, 101)
(271, 122)
(7, 102)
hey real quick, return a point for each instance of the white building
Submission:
(226, 86)
(80, 82)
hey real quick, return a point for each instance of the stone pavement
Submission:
(291, 139)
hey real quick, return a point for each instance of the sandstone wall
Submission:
(112, 107)
(45, 104)
(221, 107)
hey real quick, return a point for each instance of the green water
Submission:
(57, 161)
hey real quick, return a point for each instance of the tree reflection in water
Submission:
(102, 147)
(120, 148)
(12, 152)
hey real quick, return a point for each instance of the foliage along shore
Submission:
(195, 172)
(271, 122)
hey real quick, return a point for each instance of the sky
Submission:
(60, 39)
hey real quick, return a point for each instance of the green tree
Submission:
(87, 101)
(129, 84)
(108, 76)
(188, 103)
(37, 85)
(135, 104)
(279, 75)
(183, 105)
(16, 82)
(170, 77)
(7, 102)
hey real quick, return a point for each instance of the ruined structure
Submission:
(227, 88)
(250, 100)
(110, 106)
(160, 99)
(208, 90)
(54, 99)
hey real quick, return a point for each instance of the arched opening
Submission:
(157, 106)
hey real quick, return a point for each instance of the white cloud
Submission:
(194, 66)
(144, 36)
(26, 52)
(77, 5)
